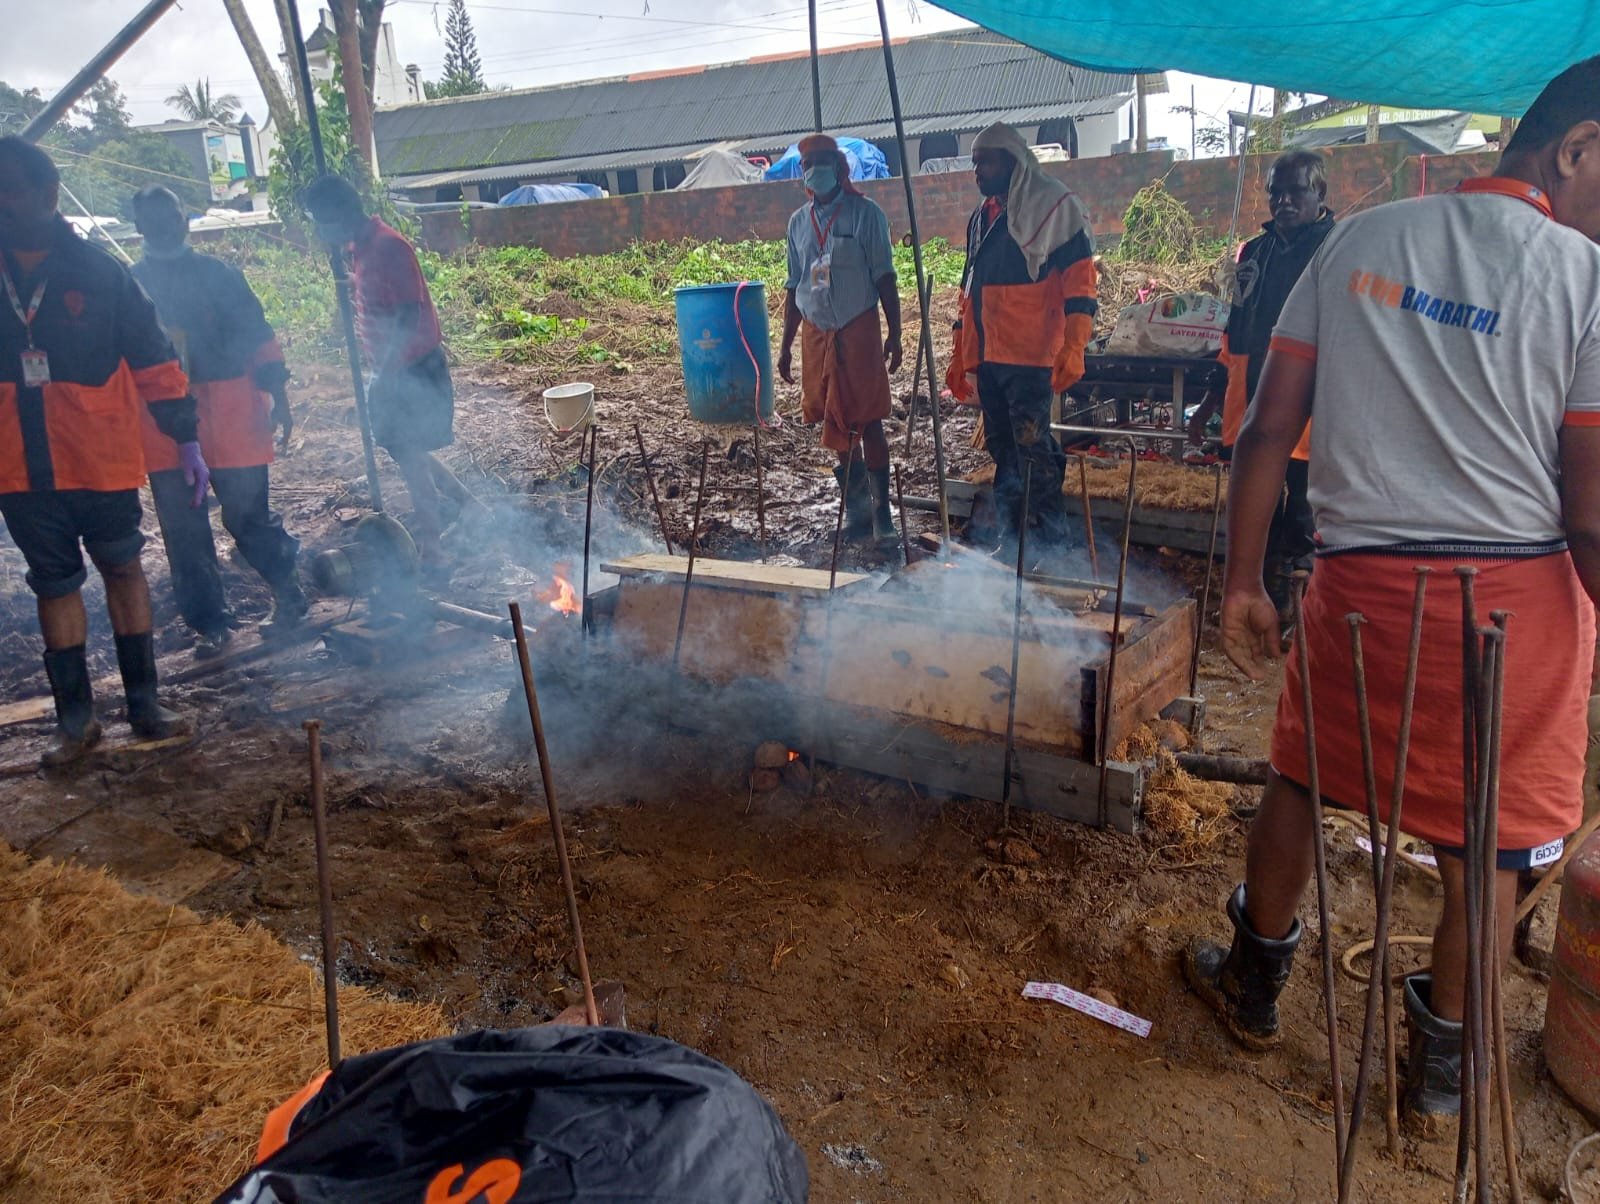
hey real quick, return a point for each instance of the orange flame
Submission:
(563, 599)
(793, 756)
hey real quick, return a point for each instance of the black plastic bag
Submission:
(536, 1114)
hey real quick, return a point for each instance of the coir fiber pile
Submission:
(141, 1046)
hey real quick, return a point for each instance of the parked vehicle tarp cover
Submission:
(720, 168)
(549, 194)
(866, 161)
(1479, 58)
(535, 1114)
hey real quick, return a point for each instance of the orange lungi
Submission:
(844, 382)
(1548, 651)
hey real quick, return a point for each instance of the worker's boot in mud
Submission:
(1242, 983)
(883, 529)
(289, 608)
(857, 500)
(1433, 1068)
(77, 730)
(136, 657)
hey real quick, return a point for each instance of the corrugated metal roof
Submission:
(543, 169)
(762, 101)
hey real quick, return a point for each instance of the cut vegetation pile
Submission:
(141, 1047)
(1160, 486)
(1183, 814)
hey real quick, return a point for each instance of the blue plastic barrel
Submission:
(719, 374)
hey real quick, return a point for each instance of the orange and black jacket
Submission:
(1009, 318)
(109, 360)
(228, 352)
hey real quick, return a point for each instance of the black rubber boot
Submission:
(1433, 1069)
(1242, 984)
(857, 500)
(289, 607)
(883, 528)
(77, 730)
(136, 657)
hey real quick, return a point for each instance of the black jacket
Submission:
(1268, 268)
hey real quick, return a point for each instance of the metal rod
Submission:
(1502, 1068)
(655, 499)
(1066, 428)
(838, 526)
(1469, 695)
(924, 337)
(1244, 150)
(900, 503)
(816, 71)
(1101, 812)
(585, 617)
(1211, 566)
(1482, 867)
(923, 287)
(1088, 516)
(761, 491)
(591, 1010)
(330, 957)
(1391, 861)
(1330, 1003)
(91, 72)
(1369, 770)
(341, 276)
(694, 547)
(1016, 651)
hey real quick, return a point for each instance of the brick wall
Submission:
(1358, 177)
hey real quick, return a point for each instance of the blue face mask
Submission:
(821, 179)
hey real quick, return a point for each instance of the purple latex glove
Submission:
(195, 471)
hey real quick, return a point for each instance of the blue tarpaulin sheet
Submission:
(866, 162)
(1489, 56)
(549, 194)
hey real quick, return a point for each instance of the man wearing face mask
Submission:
(1028, 300)
(1267, 269)
(410, 399)
(82, 358)
(841, 269)
(236, 371)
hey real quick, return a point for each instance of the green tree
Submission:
(463, 69)
(294, 164)
(17, 108)
(199, 103)
(106, 176)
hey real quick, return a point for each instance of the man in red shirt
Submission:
(410, 400)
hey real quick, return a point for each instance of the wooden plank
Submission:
(728, 634)
(735, 574)
(1152, 671)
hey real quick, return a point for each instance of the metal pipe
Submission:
(694, 547)
(1497, 1018)
(655, 498)
(1088, 517)
(1066, 428)
(1238, 188)
(761, 491)
(923, 287)
(1469, 695)
(900, 502)
(1016, 651)
(1102, 814)
(924, 343)
(473, 620)
(341, 277)
(1211, 566)
(1330, 1003)
(588, 529)
(1483, 867)
(838, 526)
(1243, 771)
(591, 1010)
(319, 828)
(91, 72)
(816, 71)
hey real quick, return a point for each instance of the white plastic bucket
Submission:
(569, 408)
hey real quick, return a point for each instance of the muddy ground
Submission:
(857, 953)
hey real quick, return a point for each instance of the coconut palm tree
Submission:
(199, 103)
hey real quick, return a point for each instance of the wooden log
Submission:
(1243, 771)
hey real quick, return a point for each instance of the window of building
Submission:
(938, 146)
(1062, 130)
(667, 177)
(627, 182)
(598, 178)
(891, 154)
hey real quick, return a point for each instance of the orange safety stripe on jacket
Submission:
(275, 1132)
(235, 421)
(1236, 402)
(93, 430)
(235, 427)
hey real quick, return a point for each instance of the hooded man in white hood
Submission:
(1028, 300)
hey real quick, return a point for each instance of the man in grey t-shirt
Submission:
(1448, 350)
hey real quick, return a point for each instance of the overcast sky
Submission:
(523, 43)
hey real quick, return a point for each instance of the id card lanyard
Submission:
(35, 363)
